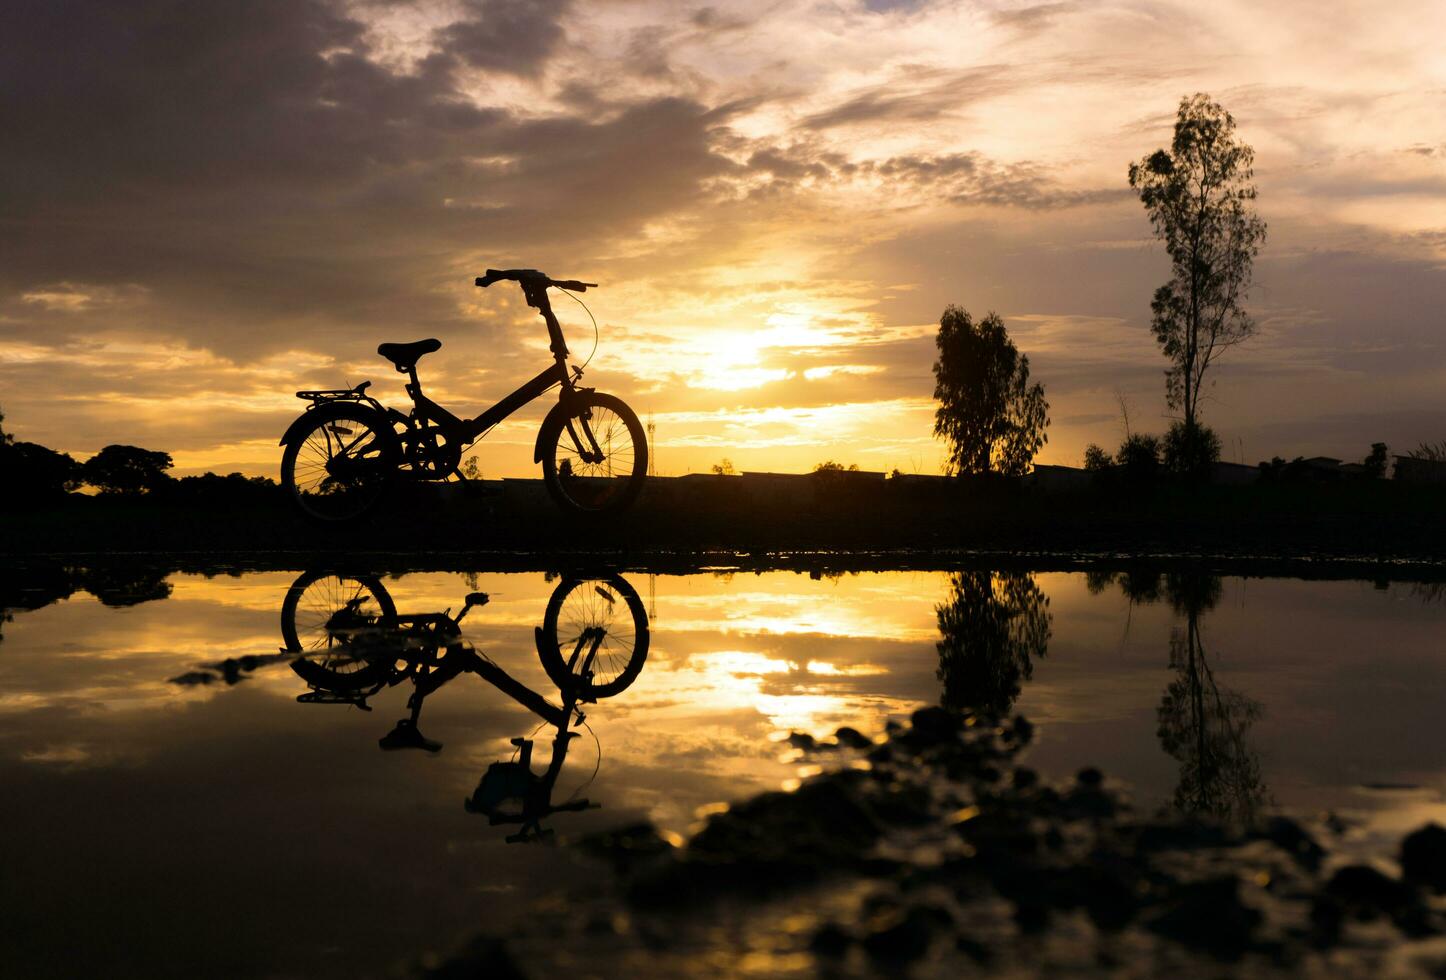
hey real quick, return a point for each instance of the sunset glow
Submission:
(778, 199)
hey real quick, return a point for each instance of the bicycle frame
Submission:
(558, 375)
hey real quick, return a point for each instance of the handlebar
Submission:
(533, 276)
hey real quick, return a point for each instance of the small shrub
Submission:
(1139, 457)
(1375, 463)
(1096, 460)
(1191, 451)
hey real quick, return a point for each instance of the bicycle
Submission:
(347, 449)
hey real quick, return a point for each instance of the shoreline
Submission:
(1364, 528)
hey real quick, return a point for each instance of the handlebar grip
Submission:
(574, 285)
(492, 276)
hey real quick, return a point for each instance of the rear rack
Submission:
(335, 394)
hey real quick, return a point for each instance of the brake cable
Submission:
(590, 317)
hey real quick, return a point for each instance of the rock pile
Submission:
(935, 851)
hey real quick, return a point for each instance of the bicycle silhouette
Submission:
(347, 449)
(350, 643)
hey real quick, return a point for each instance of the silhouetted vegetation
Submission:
(1191, 451)
(1096, 459)
(1198, 196)
(127, 470)
(1139, 458)
(993, 419)
(34, 474)
(1375, 462)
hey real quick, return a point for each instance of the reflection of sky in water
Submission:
(144, 780)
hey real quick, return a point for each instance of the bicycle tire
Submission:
(312, 663)
(313, 489)
(623, 651)
(604, 487)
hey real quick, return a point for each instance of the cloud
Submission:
(206, 208)
(513, 36)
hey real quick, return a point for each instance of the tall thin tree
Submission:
(1199, 197)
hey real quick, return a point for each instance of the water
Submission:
(156, 824)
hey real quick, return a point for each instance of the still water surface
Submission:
(158, 820)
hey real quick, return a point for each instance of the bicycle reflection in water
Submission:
(346, 640)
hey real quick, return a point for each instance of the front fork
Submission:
(588, 448)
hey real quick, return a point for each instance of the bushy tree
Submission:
(1139, 456)
(1096, 460)
(1375, 463)
(724, 467)
(1191, 450)
(127, 470)
(991, 416)
(33, 473)
(1198, 195)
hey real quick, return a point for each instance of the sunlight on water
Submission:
(158, 710)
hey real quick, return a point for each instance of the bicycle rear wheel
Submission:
(587, 481)
(338, 469)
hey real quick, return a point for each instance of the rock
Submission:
(830, 940)
(852, 738)
(1423, 857)
(1208, 915)
(485, 956)
(1367, 893)
(904, 938)
(934, 725)
(1290, 837)
(1090, 778)
(802, 740)
(1025, 778)
(1023, 729)
(624, 847)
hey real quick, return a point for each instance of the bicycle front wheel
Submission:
(594, 637)
(594, 454)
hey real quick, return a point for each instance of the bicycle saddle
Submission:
(405, 356)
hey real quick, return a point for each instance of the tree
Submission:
(1198, 196)
(992, 417)
(1191, 451)
(1375, 463)
(829, 466)
(5, 437)
(33, 472)
(724, 467)
(1139, 457)
(1096, 460)
(126, 469)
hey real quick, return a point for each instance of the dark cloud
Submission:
(512, 36)
(917, 94)
(255, 166)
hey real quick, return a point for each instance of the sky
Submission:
(205, 207)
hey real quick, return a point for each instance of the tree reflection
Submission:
(991, 630)
(1201, 724)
